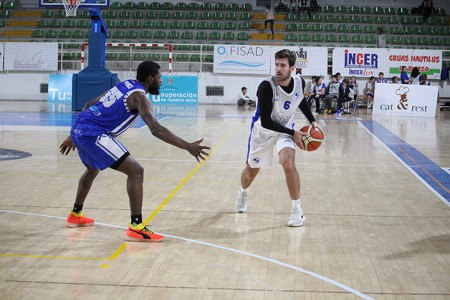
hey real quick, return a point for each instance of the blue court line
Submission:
(421, 166)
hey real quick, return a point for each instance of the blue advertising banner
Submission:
(59, 97)
(181, 90)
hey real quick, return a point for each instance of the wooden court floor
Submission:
(375, 195)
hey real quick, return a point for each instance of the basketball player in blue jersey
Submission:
(273, 125)
(94, 134)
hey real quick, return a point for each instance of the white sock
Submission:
(244, 190)
(296, 204)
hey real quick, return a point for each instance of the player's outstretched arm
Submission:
(145, 109)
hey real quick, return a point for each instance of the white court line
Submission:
(273, 261)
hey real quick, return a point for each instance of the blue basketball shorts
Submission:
(98, 151)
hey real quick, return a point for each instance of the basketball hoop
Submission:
(71, 7)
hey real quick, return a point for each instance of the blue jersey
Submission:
(111, 114)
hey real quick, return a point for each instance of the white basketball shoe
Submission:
(241, 202)
(297, 218)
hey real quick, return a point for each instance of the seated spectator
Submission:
(312, 90)
(423, 80)
(370, 87)
(349, 95)
(319, 93)
(394, 80)
(354, 85)
(313, 6)
(333, 91)
(244, 98)
(381, 78)
(339, 77)
(404, 77)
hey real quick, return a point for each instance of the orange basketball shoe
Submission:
(78, 220)
(141, 233)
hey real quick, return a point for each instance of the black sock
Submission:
(136, 219)
(77, 208)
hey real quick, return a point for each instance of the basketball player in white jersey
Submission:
(273, 125)
(94, 134)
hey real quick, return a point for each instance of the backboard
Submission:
(84, 4)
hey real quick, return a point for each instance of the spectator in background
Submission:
(354, 85)
(333, 91)
(427, 8)
(415, 76)
(394, 80)
(313, 6)
(339, 77)
(292, 6)
(280, 7)
(381, 38)
(349, 95)
(320, 93)
(404, 77)
(381, 78)
(370, 88)
(423, 80)
(269, 19)
(312, 91)
(244, 98)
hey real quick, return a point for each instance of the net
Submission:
(71, 7)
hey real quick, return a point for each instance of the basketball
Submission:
(314, 139)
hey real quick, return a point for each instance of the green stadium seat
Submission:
(139, 57)
(151, 15)
(180, 6)
(303, 27)
(367, 19)
(59, 14)
(142, 6)
(328, 9)
(355, 28)
(406, 20)
(154, 6)
(201, 35)
(173, 35)
(38, 33)
(330, 39)
(121, 24)
(344, 39)
(9, 5)
(2, 23)
(217, 15)
(69, 23)
(290, 37)
(304, 37)
(187, 35)
(109, 14)
(233, 7)
(209, 58)
(131, 35)
(365, 10)
(202, 25)
(370, 39)
(51, 34)
(419, 30)
(317, 38)
(64, 34)
(118, 34)
(55, 24)
(195, 58)
(220, 6)
(78, 34)
(205, 15)
(445, 31)
(443, 21)
(316, 18)
(69, 56)
(160, 24)
(357, 39)
(342, 18)
(245, 26)
(182, 57)
(390, 11)
(129, 5)
(138, 14)
(135, 24)
(124, 57)
(215, 25)
(291, 17)
(409, 40)
(154, 57)
(303, 18)
(341, 9)
(440, 11)
(176, 25)
(247, 7)
(245, 16)
(395, 39)
(391, 20)
(422, 41)
(206, 6)
(177, 15)
(354, 10)
(316, 28)
(44, 23)
(379, 20)
(112, 56)
(403, 11)
(160, 35)
(116, 5)
(189, 25)
(167, 6)
(408, 30)
(396, 30)
(193, 6)
(190, 15)
(378, 10)
(330, 28)
(369, 29)
(231, 16)
(47, 14)
(432, 21)
(354, 19)
(343, 28)
(228, 36)
(446, 41)
(232, 26)
(214, 36)
(164, 15)
(291, 27)
(329, 18)
(242, 36)
(146, 34)
(124, 14)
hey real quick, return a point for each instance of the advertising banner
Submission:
(311, 61)
(59, 98)
(33, 57)
(360, 62)
(242, 59)
(428, 61)
(181, 90)
(405, 100)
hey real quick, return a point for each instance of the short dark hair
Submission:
(286, 53)
(346, 81)
(145, 69)
(372, 77)
(381, 73)
(243, 88)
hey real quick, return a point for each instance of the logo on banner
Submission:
(302, 58)
(360, 63)
(240, 51)
(403, 93)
